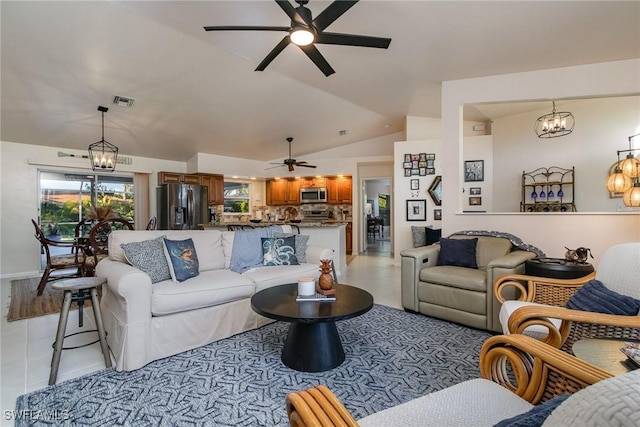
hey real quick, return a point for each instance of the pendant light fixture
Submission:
(103, 155)
(554, 124)
(625, 178)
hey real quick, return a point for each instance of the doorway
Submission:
(376, 221)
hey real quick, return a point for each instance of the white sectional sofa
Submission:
(146, 321)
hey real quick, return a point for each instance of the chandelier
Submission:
(554, 124)
(625, 178)
(103, 154)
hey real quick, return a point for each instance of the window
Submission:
(65, 198)
(237, 197)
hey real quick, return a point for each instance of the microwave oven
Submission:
(313, 195)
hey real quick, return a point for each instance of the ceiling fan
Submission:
(290, 162)
(306, 32)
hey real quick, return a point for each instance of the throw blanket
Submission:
(247, 248)
(516, 241)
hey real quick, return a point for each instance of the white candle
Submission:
(306, 286)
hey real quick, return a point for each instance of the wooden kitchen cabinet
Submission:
(213, 182)
(339, 190)
(283, 192)
(349, 238)
(215, 186)
(313, 182)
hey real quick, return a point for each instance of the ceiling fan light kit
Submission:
(305, 32)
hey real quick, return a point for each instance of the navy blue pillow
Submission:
(458, 252)
(536, 416)
(595, 297)
(432, 236)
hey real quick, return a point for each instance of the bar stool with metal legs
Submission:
(78, 290)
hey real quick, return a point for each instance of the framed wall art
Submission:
(437, 214)
(435, 190)
(473, 170)
(475, 201)
(475, 191)
(415, 184)
(417, 210)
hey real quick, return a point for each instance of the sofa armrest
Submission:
(512, 260)
(412, 261)
(130, 286)
(316, 253)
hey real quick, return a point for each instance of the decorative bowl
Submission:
(255, 221)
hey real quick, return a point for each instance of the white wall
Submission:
(602, 127)
(551, 232)
(19, 250)
(402, 191)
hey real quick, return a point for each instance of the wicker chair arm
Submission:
(317, 407)
(538, 371)
(532, 287)
(535, 315)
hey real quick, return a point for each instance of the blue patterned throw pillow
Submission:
(182, 259)
(279, 251)
(149, 257)
(301, 244)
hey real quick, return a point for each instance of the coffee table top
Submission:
(279, 303)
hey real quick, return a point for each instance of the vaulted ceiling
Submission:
(196, 91)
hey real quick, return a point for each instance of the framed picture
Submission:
(437, 214)
(407, 172)
(407, 165)
(422, 164)
(423, 157)
(435, 190)
(415, 184)
(415, 171)
(423, 171)
(431, 171)
(431, 156)
(475, 201)
(473, 170)
(417, 210)
(415, 157)
(475, 191)
(414, 164)
(430, 163)
(407, 158)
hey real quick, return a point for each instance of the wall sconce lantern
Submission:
(103, 155)
(625, 178)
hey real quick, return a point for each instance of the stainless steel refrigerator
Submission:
(182, 206)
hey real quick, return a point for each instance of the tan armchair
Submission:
(459, 294)
(539, 310)
(539, 373)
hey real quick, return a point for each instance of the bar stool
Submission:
(78, 290)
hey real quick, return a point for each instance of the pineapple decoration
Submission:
(325, 281)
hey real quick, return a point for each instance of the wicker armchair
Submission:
(540, 311)
(528, 368)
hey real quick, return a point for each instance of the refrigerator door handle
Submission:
(190, 208)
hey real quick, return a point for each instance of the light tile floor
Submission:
(25, 345)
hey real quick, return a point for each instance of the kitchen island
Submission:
(328, 234)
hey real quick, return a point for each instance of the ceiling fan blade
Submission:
(314, 54)
(291, 168)
(290, 11)
(275, 52)
(244, 28)
(331, 13)
(275, 167)
(353, 40)
(306, 166)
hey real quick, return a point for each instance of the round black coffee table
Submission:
(557, 268)
(313, 343)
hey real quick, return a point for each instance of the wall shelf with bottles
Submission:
(549, 189)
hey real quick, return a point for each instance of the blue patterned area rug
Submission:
(391, 357)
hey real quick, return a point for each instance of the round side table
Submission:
(78, 290)
(557, 268)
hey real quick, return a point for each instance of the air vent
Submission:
(123, 101)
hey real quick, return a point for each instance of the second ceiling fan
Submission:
(291, 162)
(305, 32)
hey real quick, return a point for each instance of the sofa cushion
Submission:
(279, 251)
(149, 257)
(595, 297)
(182, 259)
(611, 402)
(301, 244)
(536, 415)
(457, 277)
(535, 331)
(247, 248)
(418, 236)
(458, 252)
(208, 244)
(477, 402)
(264, 277)
(210, 288)
(488, 248)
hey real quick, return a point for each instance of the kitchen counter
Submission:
(327, 223)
